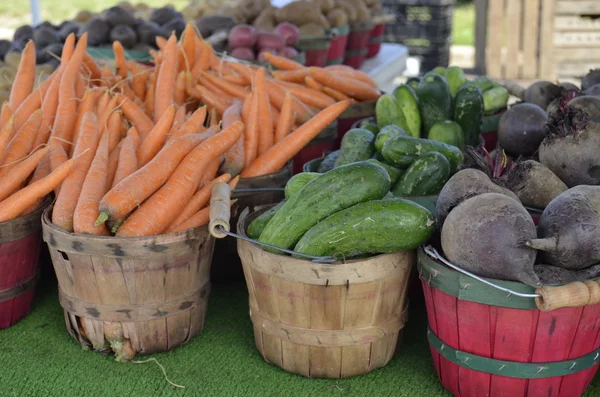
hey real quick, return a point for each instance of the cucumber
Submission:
(484, 83)
(407, 103)
(402, 151)
(328, 162)
(435, 101)
(426, 176)
(357, 145)
(393, 172)
(413, 82)
(448, 132)
(329, 193)
(468, 113)
(369, 124)
(442, 71)
(297, 182)
(377, 156)
(388, 112)
(373, 227)
(495, 98)
(456, 79)
(386, 133)
(257, 226)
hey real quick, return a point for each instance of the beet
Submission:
(569, 229)
(541, 93)
(570, 148)
(486, 235)
(593, 91)
(4, 48)
(45, 36)
(590, 79)
(569, 87)
(119, 16)
(66, 28)
(521, 129)
(242, 36)
(289, 32)
(549, 275)
(176, 25)
(588, 104)
(98, 32)
(125, 34)
(163, 15)
(463, 185)
(23, 33)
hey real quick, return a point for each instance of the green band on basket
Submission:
(467, 288)
(513, 369)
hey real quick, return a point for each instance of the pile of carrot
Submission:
(135, 151)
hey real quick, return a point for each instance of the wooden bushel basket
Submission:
(325, 320)
(153, 291)
(20, 242)
(490, 342)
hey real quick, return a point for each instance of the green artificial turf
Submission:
(39, 359)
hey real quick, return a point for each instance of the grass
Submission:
(463, 29)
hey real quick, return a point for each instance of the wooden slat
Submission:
(576, 23)
(546, 40)
(495, 34)
(577, 39)
(481, 9)
(513, 19)
(531, 39)
(570, 7)
(575, 68)
(575, 54)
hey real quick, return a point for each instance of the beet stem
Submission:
(543, 244)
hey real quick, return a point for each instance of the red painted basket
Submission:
(316, 50)
(20, 242)
(491, 342)
(358, 41)
(324, 142)
(375, 40)
(335, 56)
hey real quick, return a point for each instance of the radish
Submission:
(289, 32)
(541, 93)
(486, 235)
(243, 53)
(269, 40)
(570, 149)
(522, 128)
(242, 36)
(569, 229)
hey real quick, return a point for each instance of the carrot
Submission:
(107, 113)
(230, 88)
(32, 103)
(137, 187)
(197, 202)
(166, 79)
(265, 117)
(246, 108)
(13, 206)
(92, 190)
(68, 49)
(214, 118)
(138, 83)
(178, 121)
(234, 157)
(113, 164)
(277, 96)
(22, 143)
(135, 137)
(192, 125)
(58, 155)
(136, 116)
(5, 114)
(128, 163)
(245, 71)
(292, 76)
(235, 79)
(6, 132)
(85, 149)
(347, 71)
(251, 133)
(156, 138)
(203, 61)
(283, 63)
(198, 219)
(87, 105)
(92, 67)
(79, 86)
(308, 95)
(155, 215)
(161, 42)
(188, 44)
(120, 61)
(43, 168)
(210, 99)
(286, 120)
(353, 88)
(214, 89)
(179, 96)
(338, 96)
(9, 183)
(287, 148)
(24, 78)
(149, 103)
(103, 102)
(114, 130)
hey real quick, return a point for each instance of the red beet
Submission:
(269, 40)
(289, 32)
(521, 129)
(243, 53)
(242, 36)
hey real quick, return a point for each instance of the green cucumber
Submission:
(426, 176)
(456, 79)
(413, 82)
(373, 227)
(369, 124)
(377, 156)
(448, 132)
(297, 182)
(386, 133)
(442, 71)
(468, 113)
(484, 83)
(357, 145)
(407, 103)
(435, 101)
(393, 172)
(257, 226)
(388, 112)
(402, 151)
(329, 193)
(495, 98)
(328, 162)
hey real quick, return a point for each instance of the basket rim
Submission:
(30, 221)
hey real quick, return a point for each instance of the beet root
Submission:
(569, 229)
(462, 186)
(534, 184)
(590, 79)
(570, 149)
(486, 235)
(549, 275)
(541, 93)
(588, 104)
(521, 129)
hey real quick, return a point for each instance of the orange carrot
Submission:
(234, 157)
(137, 187)
(292, 76)
(114, 130)
(33, 102)
(179, 96)
(283, 151)
(25, 77)
(102, 103)
(49, 106)
(194, 124)
(353, 88)
(210, 99)
(58, 155)
(136, 116)
(68, 49)
(138, 82)
(214, 118)
(245, 71)
(198, 219)
(92, 67)
(308, 95)
(338, 96)
(128, 163)
(178, 121)
(79, 86)
(246, 108)
(230, 88)
(283, 63)
(312, 83)
(13, 206)
(214, 89)
(149, 103)
(156, 138)
(107, 113)
(120, 61)
(277, 96)
(42, 170)
(5, 114)
(286, 120)
(251, 132)
(135, 137)
(6, 132)
(22, 143)
(113, 164)
(203, 60)
(265, 117)
(347, 71)
(85, 149)
(188, 44)
(11, 182)
(161, 42)
(155, 215)
(235, 79)
(92, 190)
(87, 105)
(166, 80)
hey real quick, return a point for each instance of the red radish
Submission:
(269, 40)
(242, 36)
(261, 54)
(289, 52)
(289, 32)
(243, 53)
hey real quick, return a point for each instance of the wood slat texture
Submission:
(576, 23)
(495, 36)
(546, 40)
(571, 7)
(513, 47)
(531, 39)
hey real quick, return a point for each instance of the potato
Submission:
(126, 5)
(312, 30)
(83, 16)
(364, 14)
(337, 18)
(348, 8)
(141, 7)
(324, 22)
(266, 20)
(299, 13)
(326, 5)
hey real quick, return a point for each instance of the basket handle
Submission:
(220, 210)
(575, 294)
